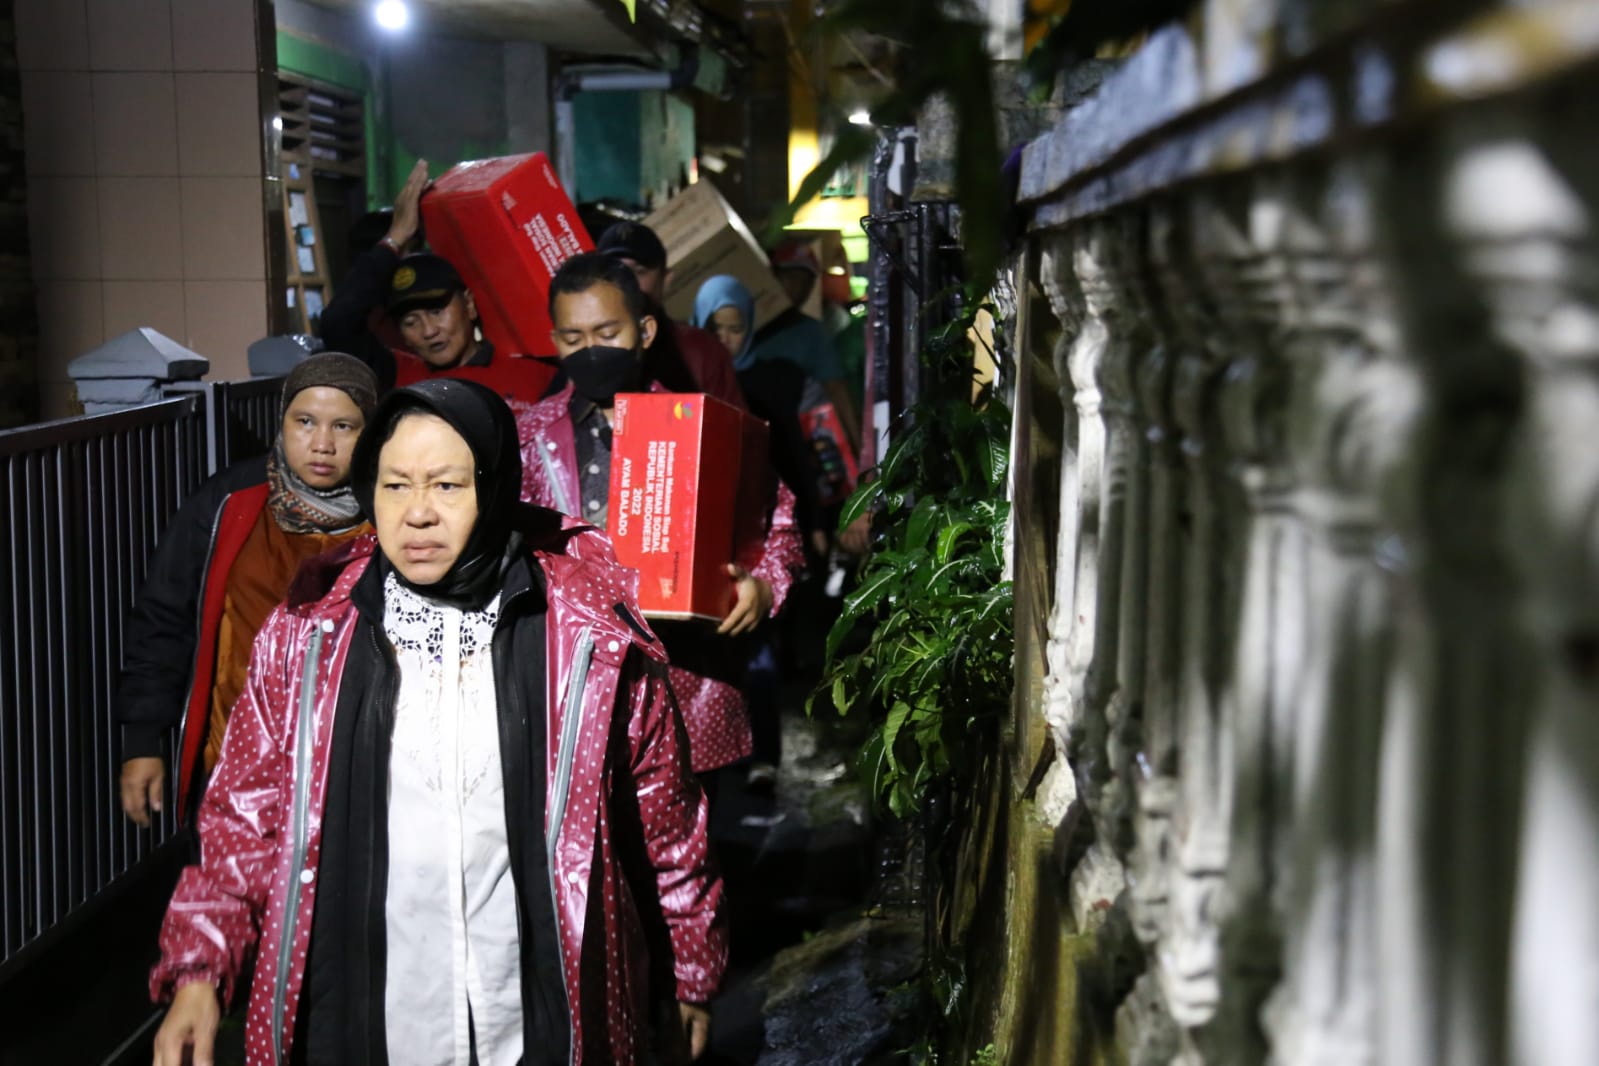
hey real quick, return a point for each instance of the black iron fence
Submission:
(915, 277)
(85, 501)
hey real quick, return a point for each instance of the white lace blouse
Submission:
(453, 945)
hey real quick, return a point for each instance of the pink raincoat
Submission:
(714, 711)
(254, 891)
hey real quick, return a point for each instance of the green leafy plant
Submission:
(925, 641)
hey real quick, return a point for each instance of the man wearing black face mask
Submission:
(601, 337)
(601, 332)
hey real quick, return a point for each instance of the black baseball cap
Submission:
(635, 241)
(423, 280)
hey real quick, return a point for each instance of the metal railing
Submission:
(85, 501)
(246, 416)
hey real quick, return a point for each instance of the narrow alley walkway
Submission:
(820, 971)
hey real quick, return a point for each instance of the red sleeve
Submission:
(214, 920)
(710, 364)
(676, 820)
(783, 555)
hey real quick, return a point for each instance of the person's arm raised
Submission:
(346, 319)
(407, 219)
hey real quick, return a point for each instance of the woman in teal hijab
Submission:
(725, 307)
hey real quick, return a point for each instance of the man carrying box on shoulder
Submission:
(602, 332)
(425, 298)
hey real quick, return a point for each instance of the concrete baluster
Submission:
(1528, 236)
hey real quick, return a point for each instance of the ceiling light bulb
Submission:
(392, 15)
(861, 117)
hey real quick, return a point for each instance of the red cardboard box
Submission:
(835, 466)
(690, 493)
(507, 226)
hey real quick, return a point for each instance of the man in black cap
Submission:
(424, 298)
(682, 358)
(436, 316)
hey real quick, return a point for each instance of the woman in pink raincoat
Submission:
(454, 803)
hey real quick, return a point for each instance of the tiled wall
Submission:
(145, 133)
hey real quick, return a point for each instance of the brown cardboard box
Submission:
(705, 237)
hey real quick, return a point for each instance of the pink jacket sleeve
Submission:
(677, 839)
(214, 920)
(783, 555)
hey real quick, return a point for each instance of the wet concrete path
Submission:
(820, 973)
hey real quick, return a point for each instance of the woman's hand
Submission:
(191, 1022)
(696, 1028)
(753, 605)
(144, 779)
(856, 537)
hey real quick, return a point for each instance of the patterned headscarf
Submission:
(296, 506)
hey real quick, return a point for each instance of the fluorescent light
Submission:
(860, 117)
(392, 15)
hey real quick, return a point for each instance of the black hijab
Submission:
(342, 1016)
(489, 428)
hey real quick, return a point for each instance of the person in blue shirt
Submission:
(801, 339)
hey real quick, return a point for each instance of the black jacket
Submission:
(341, 1019)
(163, 630)
(773, 388)
(345, 319)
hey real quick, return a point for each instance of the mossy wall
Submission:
(1037, 988)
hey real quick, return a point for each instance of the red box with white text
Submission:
(691, 490)
(507, 225)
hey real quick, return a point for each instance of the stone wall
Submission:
(1317, 589)
(148, 126)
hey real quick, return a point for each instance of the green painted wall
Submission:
(667, 127)
(316, 60)
(633, 147)
(313, 59)
(609, 145)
